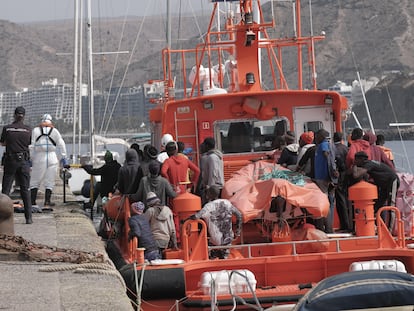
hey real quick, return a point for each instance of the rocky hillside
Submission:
(370, 36)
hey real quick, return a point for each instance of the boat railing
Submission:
(293, 244)
(383, 238)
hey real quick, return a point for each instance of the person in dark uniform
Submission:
(16, 159)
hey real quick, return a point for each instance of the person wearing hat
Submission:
(382, 176)
(46, 143)
(153, 182)
(109, 176)
(140, 228)
(16, 159)
(161, 221)
(150, 154)
(163, 155)
(212, 169)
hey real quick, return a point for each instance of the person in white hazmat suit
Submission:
(46, 143)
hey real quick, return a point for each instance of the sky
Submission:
(23, 11)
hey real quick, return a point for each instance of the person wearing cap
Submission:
(163, 155)
(175, 169)
(382, 176)
(161, 221)
(218, 214)
(212, 169)
(140, 228)
(16, 159)
(153, 182)
(150, 154)
(46, 144)
(109, 176)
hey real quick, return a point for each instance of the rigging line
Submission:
(129, 62)
(115, 66)
(196, 20)
(356, 68)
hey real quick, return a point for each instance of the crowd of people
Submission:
(152, 179)
(335, 166)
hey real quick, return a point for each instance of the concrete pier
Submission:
(47, 285)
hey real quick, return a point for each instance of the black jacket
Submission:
(127, 176)
(109, 174)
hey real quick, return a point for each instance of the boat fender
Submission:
(158, 283)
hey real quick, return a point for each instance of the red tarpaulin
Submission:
(252, 195)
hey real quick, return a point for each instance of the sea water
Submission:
(403, 154)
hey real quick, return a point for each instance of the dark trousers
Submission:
(21, 171)
(343, 206)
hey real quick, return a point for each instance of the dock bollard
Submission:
(6, 215)
(363, 195)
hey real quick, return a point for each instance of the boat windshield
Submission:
(239, 136)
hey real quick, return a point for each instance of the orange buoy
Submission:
(363, 195)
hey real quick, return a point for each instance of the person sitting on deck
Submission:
(140, 228)
(217, 214)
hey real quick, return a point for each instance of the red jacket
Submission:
(175, 170)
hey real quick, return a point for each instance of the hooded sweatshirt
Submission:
(157, 184)
(175, 170)
(377, 154)
(356, 146)
(162, 225)
(212, 169)
(127, 176)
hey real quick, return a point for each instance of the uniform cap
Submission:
(20, 111)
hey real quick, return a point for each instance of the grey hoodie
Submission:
(162, 225)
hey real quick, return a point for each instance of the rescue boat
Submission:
(216, 91)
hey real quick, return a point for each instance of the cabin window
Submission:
(313, 126)
(239, 136)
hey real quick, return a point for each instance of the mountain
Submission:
(371, 37)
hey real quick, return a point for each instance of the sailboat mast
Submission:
(80, 89)
(90, 83)
(75, 79)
